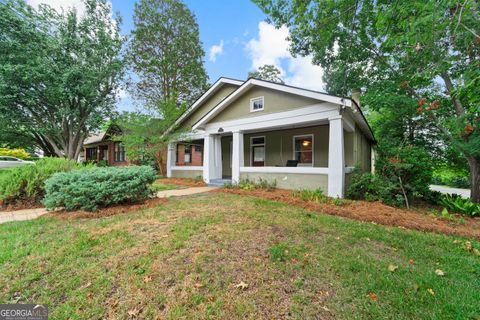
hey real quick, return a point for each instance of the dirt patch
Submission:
(183, 182)
(377, 212)
(109, 211)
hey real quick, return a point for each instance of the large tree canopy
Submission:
(166, 54)
(59, 72)
(267, 72)
(417, 59)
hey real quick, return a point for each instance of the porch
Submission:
(108, 152)
(316, 154)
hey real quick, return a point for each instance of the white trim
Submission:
(204, 96)
(187, 168)
(300, 117)
(275, 86)
(302, 170)
(252, 101)
(258, 145)
(313, 148)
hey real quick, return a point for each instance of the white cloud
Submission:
(60, 4)
(304, 74)
(271, 47)
(215, 51)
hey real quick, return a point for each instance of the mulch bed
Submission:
(20, 205)
(108, 211)
(377, 212)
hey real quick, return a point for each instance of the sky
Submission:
(236, 39)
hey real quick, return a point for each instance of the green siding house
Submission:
(258, 129)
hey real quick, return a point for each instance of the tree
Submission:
(146, 137)
(58, 72)
(427, 53)
(166, 54)
(267, 72)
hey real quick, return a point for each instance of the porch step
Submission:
(219, 182)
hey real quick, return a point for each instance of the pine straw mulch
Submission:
(108, 211)
(377, 212)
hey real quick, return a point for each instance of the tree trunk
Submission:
(474, 163)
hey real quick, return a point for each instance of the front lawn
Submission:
(227, 256)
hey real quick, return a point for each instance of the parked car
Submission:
(10, 162)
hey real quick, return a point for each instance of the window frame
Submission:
(264, 145)
(185, 146)
(116, 153)
(309, 135)
(252, 102)
(91, 151)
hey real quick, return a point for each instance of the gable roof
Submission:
(94, 138)
(102, 135)
(207, 94)
(275, 86)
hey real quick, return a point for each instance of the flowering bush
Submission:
(17, 153)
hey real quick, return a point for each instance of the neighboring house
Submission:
(259, 129)
(102, 147)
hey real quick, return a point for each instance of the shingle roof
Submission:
(94, 138)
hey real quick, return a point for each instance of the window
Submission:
(256, 104)
(91, 154)
(257, 151)
(119, 152)
(303, 149)
(188, 153)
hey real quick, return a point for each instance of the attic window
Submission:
(256, 104)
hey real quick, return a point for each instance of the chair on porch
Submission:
(292, 163)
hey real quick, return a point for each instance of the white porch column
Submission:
(336, 158)
(207, 157)
(171, 158)
(212, 158)
(217, 160)
(237, 155)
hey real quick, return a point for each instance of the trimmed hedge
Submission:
(26, 183)
(98, 187)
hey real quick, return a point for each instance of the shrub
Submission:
(26, 183)
(98, 187)
(17, 153)
(316, 195)
(458, 204)
(372, 187)
(247, 184)
(402, 174)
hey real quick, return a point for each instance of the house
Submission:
(258, 129)
(103, 147)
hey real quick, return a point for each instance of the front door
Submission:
(258, 156)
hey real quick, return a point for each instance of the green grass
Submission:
(233, 257)
(158, 186)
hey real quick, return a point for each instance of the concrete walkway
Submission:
(29, 214)
(465, 193)
(19, 215)
(183, 192)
